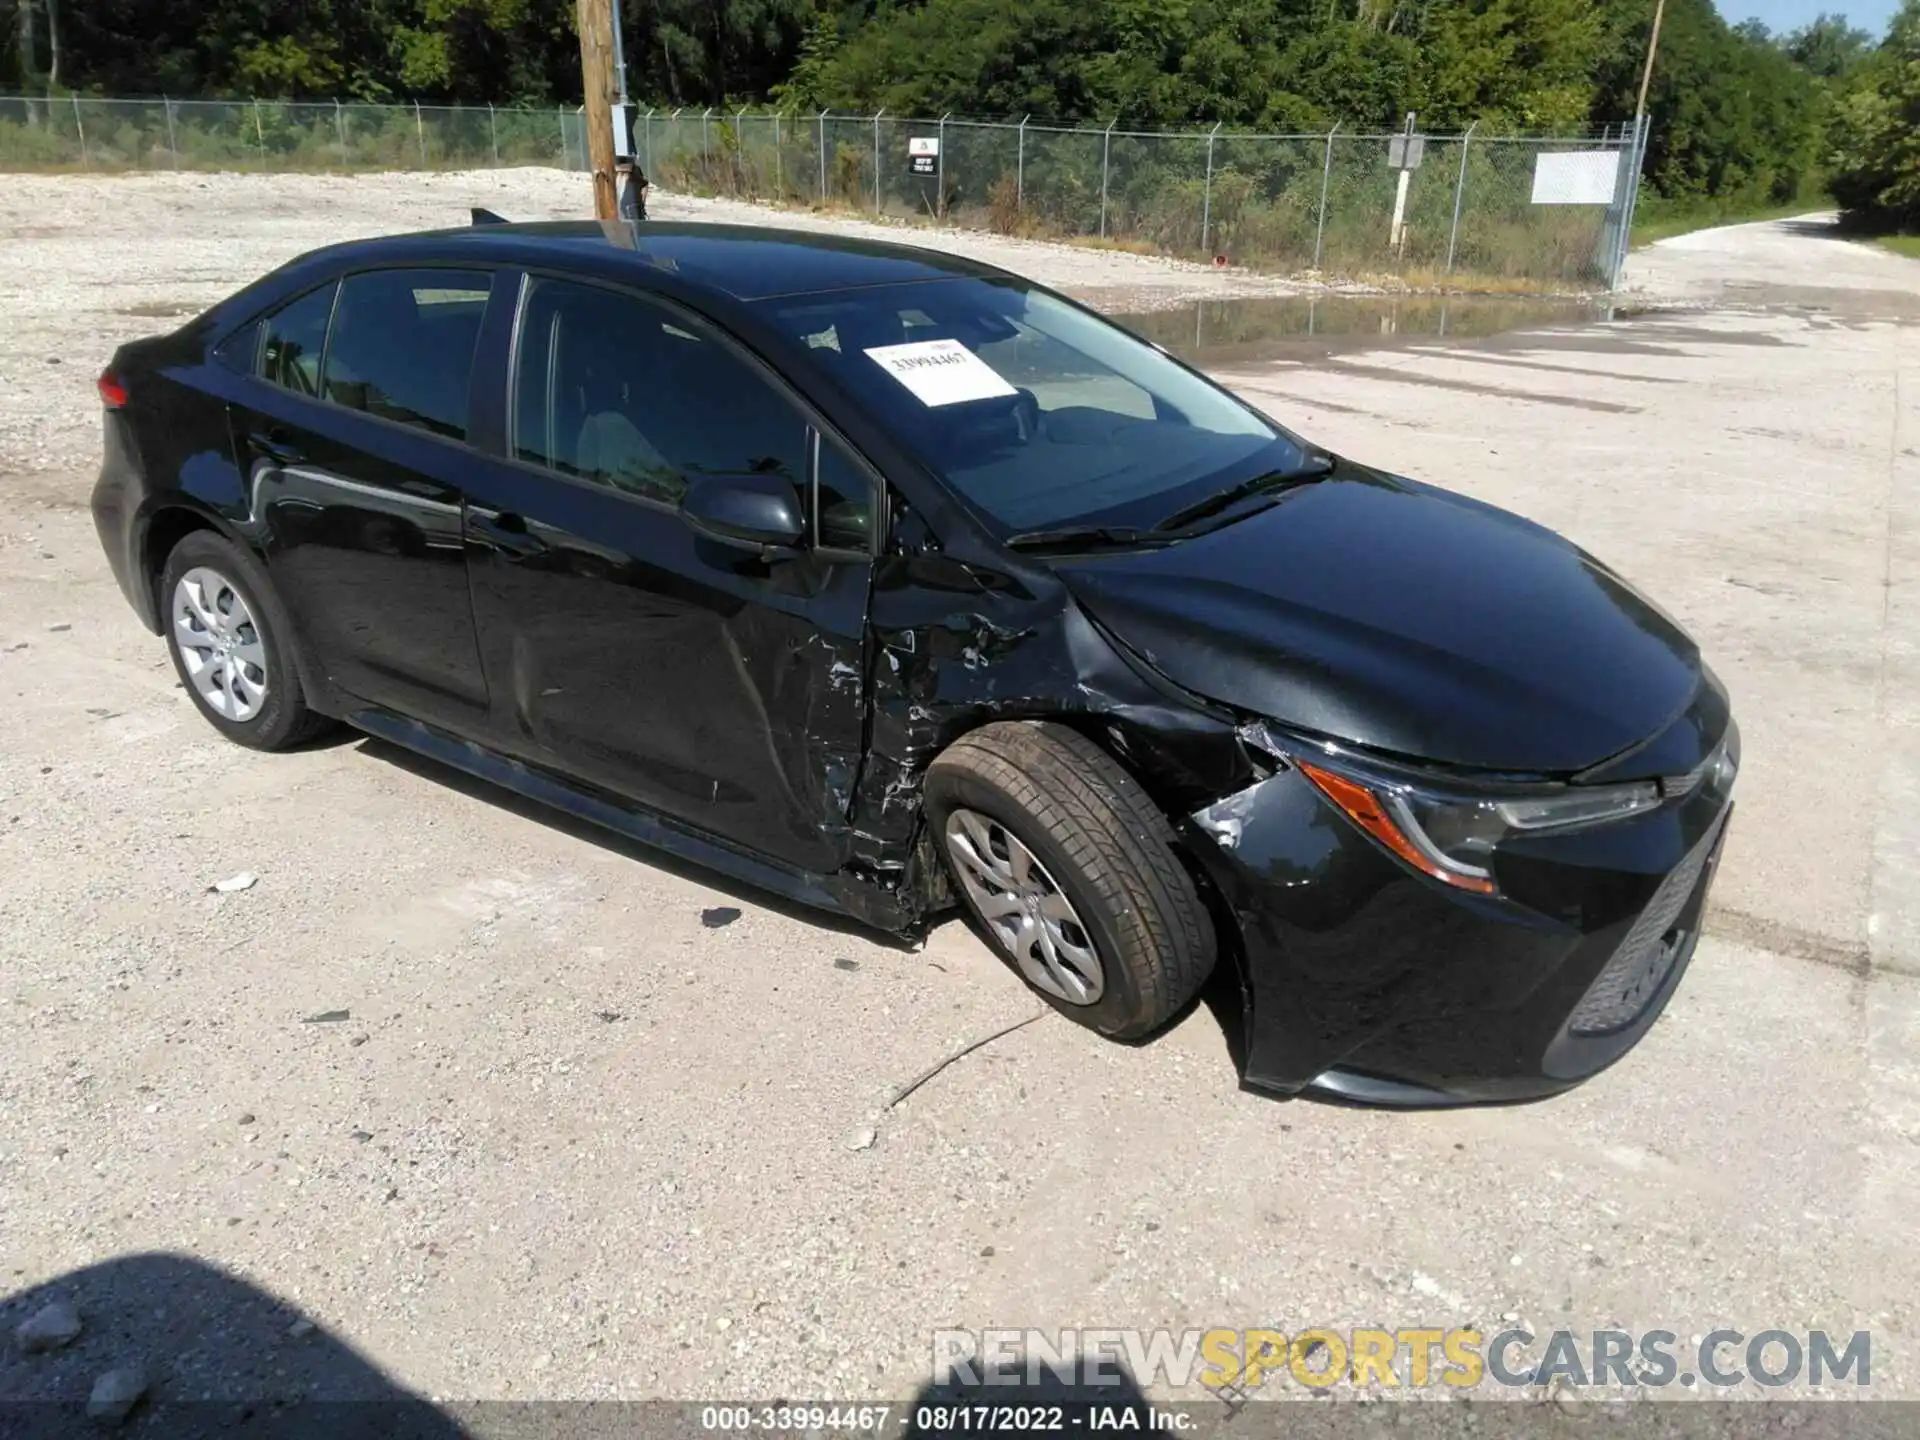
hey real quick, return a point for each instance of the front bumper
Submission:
(1367, 982)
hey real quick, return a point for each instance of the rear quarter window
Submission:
(293, 338)
(240, 351)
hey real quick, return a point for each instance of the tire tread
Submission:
(1118, 840)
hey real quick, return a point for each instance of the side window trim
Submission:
(326, 341)
(818, 441)
(818, 428)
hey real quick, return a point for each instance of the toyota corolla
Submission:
(891, 582)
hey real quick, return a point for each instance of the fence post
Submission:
(1459, 188)
(260, 132)
(876, 158)
(706, 145)
(1020, 169)
(821, 148)
(1326, 176)
(1636, 159)
(1206, 200)
(940, 171)
(80, 129)
(340, 130)
(646, 132)
(1106, 159)
(779, 162)
(740, 149)
(420, 131)
(173, 148)
(493, 133)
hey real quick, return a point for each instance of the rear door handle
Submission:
(275, 445)
(504, 530)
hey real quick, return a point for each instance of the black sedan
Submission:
(889, 581)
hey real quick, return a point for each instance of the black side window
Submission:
(296, 334)
(845, 502)
(402, 345)
(241, 350)
(617, 390)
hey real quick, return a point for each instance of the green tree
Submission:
(1828, 47)
(1876, 131)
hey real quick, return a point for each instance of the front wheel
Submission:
(1071, 869)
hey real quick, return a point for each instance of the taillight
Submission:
(113, 394)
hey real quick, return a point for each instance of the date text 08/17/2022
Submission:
(940, 1418)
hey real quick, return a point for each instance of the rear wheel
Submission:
(226, 633)
(1070, 867)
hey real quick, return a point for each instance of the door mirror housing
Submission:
(752, 511)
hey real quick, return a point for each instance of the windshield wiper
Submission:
(1314, 468)
(1082, 537)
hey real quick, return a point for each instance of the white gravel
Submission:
(485, 1096)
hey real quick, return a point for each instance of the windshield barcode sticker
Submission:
(941, 372)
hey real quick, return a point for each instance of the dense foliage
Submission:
(1738, 116)
(1876, 131)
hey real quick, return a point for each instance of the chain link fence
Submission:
(1532, 211)
(77, 133)
(1496, 208)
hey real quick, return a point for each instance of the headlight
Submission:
(1447, 832)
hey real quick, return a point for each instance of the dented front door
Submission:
(701, 681)
(722, 687)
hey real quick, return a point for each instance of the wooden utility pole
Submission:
(594, 18)
(1653, 44)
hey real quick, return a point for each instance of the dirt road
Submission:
(516, 1110)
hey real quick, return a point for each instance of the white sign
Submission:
(1576, 177)
(941, 372)
(922, 145)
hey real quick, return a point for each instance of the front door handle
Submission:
(274, 445)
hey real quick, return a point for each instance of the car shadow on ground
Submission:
(215, 1355)
(611, 840)
(1220, 997)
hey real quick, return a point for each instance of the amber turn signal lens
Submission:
(1361, 806)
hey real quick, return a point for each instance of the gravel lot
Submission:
(512, 1109)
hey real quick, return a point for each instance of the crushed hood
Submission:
(1407, 619)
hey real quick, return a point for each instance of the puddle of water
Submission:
(161, 310)
(1222, 331)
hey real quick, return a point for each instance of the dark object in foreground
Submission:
(887, 581)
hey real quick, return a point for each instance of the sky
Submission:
(1786, 15)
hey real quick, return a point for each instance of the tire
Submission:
(243, 679)
(1101, 845)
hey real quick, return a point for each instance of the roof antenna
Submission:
(487, 217)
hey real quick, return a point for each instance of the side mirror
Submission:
(752, 511)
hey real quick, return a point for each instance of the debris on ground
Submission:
(116, 1393)
(233, 884)
(48, 1328)
(972, 1045)
(328, 1017)
(862, 1139)
(719, 915)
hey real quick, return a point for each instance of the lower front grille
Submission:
(1623, 990)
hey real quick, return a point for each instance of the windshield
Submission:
(1036, 411)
